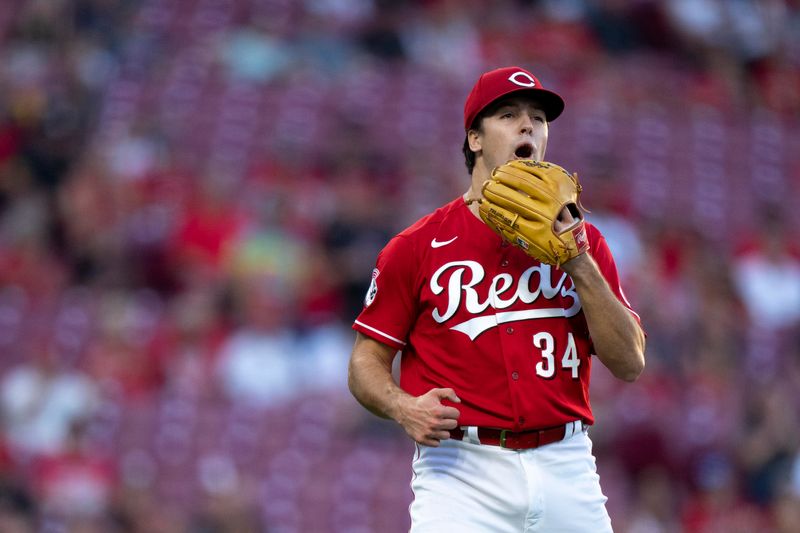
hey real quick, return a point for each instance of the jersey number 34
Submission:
(546, 368)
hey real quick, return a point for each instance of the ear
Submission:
(474, 140)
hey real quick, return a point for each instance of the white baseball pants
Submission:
(477, 488)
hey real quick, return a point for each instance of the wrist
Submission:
(579, 265)
(396, 407)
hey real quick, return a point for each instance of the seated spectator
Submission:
(40, 401)
(768, 279)
(76, 481)
(258, 362)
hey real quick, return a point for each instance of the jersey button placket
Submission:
(509, 349)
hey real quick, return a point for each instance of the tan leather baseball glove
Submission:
(535, 205)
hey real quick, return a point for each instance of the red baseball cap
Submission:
(503, 81)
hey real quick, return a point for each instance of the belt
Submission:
(518, 440)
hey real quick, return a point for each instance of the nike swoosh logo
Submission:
(439, 244)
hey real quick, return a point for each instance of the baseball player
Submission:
(497, 301)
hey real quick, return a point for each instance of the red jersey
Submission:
(475, 314)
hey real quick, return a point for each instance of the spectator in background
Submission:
(229, 503)
(205, 233)
(257, 364)
(18, 509)
(611, 213)
(767, 278)
(786, 512)
(41, 400)
(188, 342)
(76, 482)
(767, 443)
(250, 52)
(655, 503)
(119, 358)
(444, 38)
(381, 35)
(716, 504)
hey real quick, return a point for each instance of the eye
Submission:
(507, 114)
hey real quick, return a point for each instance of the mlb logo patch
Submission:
(372, 292)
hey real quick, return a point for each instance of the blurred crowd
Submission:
(193, 193)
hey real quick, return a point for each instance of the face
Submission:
(514, 128)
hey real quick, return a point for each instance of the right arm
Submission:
(369, 378)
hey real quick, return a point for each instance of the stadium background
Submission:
(192, 194)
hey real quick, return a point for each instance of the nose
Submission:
(527, 124)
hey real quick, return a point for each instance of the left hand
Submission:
(534, 205)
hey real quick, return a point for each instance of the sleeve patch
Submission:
(372, 292)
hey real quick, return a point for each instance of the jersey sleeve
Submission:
(389, 306)
(608, 268)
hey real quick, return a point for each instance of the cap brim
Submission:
(552, 104)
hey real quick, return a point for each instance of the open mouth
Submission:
(524, 151)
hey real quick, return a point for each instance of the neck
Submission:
(479, 176)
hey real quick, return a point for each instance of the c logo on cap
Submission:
(529, 83)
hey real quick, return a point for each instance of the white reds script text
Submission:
(500, 295)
